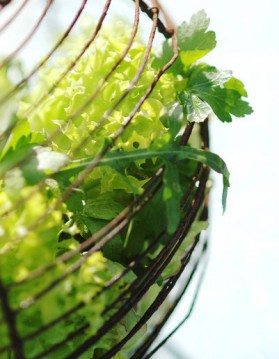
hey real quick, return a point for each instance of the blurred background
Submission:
(236, 315)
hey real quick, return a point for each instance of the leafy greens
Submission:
(48, 146)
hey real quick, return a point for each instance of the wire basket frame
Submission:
(195, 200)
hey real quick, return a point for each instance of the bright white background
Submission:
(236, 316)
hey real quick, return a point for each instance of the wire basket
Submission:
(30, 290)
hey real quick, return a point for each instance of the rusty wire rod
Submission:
(138, 294)
(161, 72)
(153, 307)
(4, 3)
(93, 96)
(141, 350)
(89, 168)
(163, 258)
(97, 247)
(106, 287)
(14, 16)
(157, 79)
(168, 33)
(96, 237)
(174, 305)
(156, 331)
(160, 298)
(115, 279)
(75, 61)
(79, 306)
(109, 324)
(19, 85)
(28, 37)
(10, 318)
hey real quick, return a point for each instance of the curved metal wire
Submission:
(19, 85)
(4, 3)
(33, 31)
(14, 16)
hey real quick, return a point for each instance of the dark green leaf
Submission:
(167, 152)
(14, 157)
(222, 92)
(175, 119)
(172, 195)
(114, 250)
(102, 208)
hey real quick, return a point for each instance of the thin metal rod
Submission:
(19, 85)
(139, 287)
(194, 300)
(168, 33)
(79, 180)
(93, 96)
(109, 284)
(119, 132)
(14, 16)
(28, 37)
(164, 257)
(4, 3)
(11, 323)
(97, 159)
(128, 305)
(156, 330)
(96, 237)
(75, 61)
(70, 67)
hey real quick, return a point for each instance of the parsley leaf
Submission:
(194, 108)
(169, 152)
(222, 92)
(194, 41)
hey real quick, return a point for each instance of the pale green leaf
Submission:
(194, 108)
(194, 41)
